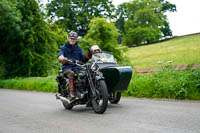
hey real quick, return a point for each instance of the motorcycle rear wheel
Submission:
(100, 103)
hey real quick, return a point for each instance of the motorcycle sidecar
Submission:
(117, 77)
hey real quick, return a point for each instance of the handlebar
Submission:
(92, 65)
(75, 62)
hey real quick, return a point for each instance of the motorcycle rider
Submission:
(71, 50)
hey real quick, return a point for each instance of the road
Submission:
(36, 112)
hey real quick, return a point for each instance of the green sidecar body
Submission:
(117, 77)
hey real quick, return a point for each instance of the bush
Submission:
(141, 35)
(166, 84)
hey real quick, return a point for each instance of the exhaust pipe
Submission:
(63, 99)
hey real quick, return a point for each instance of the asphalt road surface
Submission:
(36, 112)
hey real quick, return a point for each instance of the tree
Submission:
(142, 35)
(103, 32)
(28, 44)
(10, 30)
(60, 34)
(167, 7)
(121, 17)
(76, 14)
(144, 21)
(10, 17)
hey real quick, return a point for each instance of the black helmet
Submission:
(72, 35)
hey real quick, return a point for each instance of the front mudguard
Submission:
(99, 77)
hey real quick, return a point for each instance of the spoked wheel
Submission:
(100, 102)
(115, 97)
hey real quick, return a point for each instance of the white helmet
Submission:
(95, 48)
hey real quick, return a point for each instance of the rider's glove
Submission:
(65, 60)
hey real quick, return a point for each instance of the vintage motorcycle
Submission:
(99, 81)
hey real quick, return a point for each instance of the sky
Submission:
(187, 18)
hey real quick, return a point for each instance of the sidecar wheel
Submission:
(115, 97)
(100, 103)
(68, 106)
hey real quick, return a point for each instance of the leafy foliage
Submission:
(9, 22)
(28, 44)
(145, 11)
(167, 7)
(60, 34)
(144, 20)
(10, 31)
(142, 35)
(76, 14)
(121, 17)
(166, 84)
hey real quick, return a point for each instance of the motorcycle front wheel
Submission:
(100, 102)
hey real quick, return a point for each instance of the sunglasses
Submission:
(73, 39)
(96, 50)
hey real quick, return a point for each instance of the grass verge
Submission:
(44, 84)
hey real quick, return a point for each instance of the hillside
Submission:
(179, 50)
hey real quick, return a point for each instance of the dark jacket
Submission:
(73, 52)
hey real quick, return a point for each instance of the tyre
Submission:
(100, 103)
(68, 106)
(115, 97)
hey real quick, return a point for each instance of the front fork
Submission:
(91, 83)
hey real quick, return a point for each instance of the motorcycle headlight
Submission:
(94, 68)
